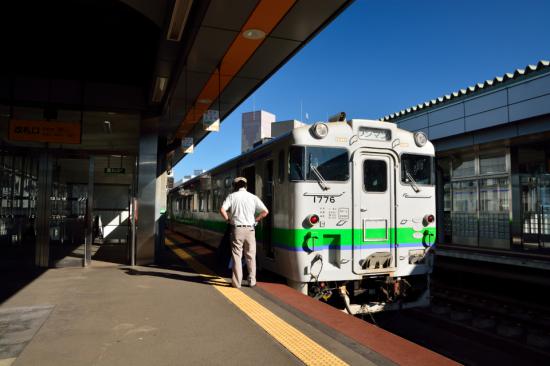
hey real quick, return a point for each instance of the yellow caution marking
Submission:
(7, 361)
(303, 347)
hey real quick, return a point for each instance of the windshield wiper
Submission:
(412, 182)
(322, 182)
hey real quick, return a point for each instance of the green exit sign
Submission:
(115, 170)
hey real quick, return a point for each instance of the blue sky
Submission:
(381, 56)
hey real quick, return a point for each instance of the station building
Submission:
(492, 145)
(97, 98)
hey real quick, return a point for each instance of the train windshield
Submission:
(313, 163)
(417, 169)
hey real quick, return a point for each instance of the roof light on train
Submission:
(319, 130)
(420, 138)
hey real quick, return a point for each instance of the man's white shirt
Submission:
(242, 207)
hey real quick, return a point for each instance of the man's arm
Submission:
(261, 215)
(224, 214)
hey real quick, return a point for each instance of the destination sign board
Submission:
(44, 131)
(114, 170)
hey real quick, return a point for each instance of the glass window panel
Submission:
(447, 198)
(465, 196)
(331, 163)
(494, 195)
(419, 167)
(492, 164)
(464, 167)
(375, 175)
(296, 163)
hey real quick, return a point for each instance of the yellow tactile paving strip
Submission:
(303, 347)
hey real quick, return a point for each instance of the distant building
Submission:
(256, 125)
(282, 127)
(198, 171)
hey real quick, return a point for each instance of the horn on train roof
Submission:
(338, 117)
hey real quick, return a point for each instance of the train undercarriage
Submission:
(371, 294)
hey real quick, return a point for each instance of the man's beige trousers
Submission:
(243, 237)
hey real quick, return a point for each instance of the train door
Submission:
(250, 174)
(373, 206)
(267, 223)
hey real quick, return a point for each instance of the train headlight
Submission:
(319, 130)
(420, 139)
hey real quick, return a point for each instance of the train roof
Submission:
(299, 134)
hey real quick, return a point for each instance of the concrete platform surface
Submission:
(116, 315)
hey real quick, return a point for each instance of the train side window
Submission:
(281, 170)
(375, 175)
(296, 159)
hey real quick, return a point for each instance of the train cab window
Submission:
(281, 167)
(330, 163)
(417, 169)
(312, 162)
(296, 160)
(375, 175)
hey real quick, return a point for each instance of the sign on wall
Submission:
(187, 145)
(44, 131)
(211, 120)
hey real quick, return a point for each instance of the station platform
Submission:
(181, 313)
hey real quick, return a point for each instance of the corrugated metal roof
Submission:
(469, 90)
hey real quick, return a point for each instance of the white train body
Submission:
(355, 207)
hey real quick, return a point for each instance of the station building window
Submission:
(476, 199)
(532, 166)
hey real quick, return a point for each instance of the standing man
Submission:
(243, 207)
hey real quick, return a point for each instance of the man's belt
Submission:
(244, 225)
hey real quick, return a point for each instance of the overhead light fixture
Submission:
(204, 101)
(254, 34)
(160, 88)
(107, 127)
(179, 18)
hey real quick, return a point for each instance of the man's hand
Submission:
(262, 215)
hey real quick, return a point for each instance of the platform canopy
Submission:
(171, 59)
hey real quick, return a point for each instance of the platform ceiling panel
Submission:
(266, 59)
(228, 15)
(305, 17)
(217, 41)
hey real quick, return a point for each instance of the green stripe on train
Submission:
(294, 238)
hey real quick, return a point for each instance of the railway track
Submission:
(500, 320)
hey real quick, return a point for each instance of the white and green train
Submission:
(352, 210)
